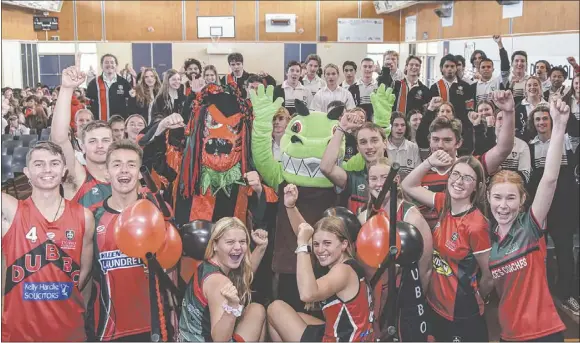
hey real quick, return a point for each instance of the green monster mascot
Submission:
(301, 147)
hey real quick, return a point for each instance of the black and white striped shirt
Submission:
(541, 151)
(519, 160)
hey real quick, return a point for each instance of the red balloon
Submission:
(171, 251)
(140, 229)
(372, 244)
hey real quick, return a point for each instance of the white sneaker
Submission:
(571, 304)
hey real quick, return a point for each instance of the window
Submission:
(51, 67)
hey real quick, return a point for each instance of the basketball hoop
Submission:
(215, 40)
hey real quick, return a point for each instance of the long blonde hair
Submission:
(241, 277)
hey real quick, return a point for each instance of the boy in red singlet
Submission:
(47, 250)
(86, 185)
(121, 299)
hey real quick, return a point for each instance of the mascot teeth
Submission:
(216, 146)
(304, 167)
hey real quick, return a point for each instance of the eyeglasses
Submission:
(467, 179)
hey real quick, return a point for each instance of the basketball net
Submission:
(215, 40)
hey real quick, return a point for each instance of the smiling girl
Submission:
(517, 261)
(461, 247)
(213, 307)
(343, 291)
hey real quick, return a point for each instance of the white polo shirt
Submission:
(325, 96)
(346, 86)
(300, 93)
(519, 159)
(541, 151)
(485, 88)
(313, 85)
(406, 155)
(366, 90)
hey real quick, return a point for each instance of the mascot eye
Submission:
(296, 127)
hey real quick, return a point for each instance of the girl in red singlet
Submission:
(343, 291)
(517, 261)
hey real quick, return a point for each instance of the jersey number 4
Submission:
(31, 235)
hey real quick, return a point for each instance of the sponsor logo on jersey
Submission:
(70, 234)
(440, 265)
(47, 291)
(451, 245)
(509, 268)
(68, 244)
(50, 235)
(115, 259)
(100, 229)
(361, 187)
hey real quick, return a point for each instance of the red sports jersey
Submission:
(122, 293)
(437, 182)
(351, 320)
(42, 301)
(92, 192)
(517, 263)
(453, 291)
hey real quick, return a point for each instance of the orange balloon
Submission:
(171, 251)
(140, 229)
(372, 244)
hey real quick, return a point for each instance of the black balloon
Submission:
(195, 237)
(411, 244)
(349, 219)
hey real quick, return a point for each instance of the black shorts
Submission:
(313, 333)
(472, 329)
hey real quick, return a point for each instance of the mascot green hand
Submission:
(301, 147)
(382, 101)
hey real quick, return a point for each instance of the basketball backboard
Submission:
(212, 27)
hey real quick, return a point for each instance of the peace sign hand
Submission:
(72, 77)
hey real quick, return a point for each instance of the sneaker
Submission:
(571, 304)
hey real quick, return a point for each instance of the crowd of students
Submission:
(489, 169)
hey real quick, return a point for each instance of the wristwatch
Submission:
(236, 312)
(303, 248)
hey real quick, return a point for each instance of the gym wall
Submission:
(112, 26)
